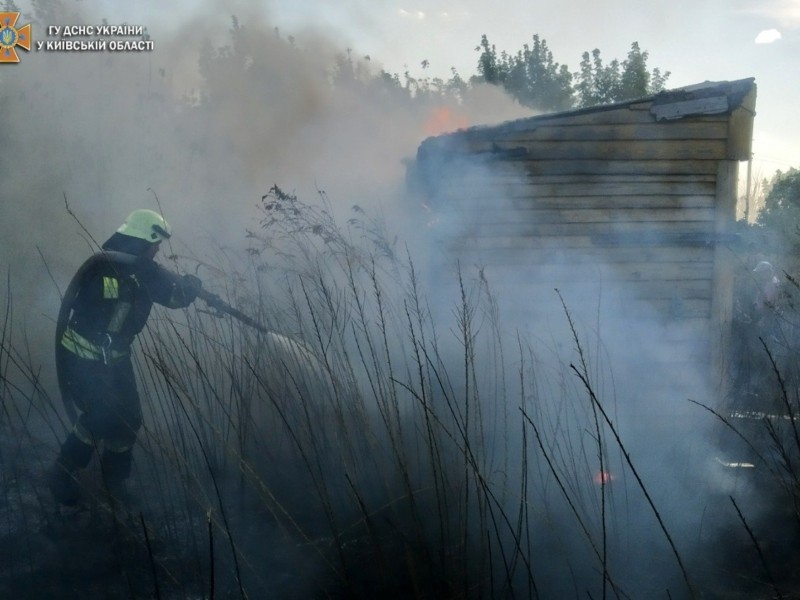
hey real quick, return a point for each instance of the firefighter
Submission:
(106, 305)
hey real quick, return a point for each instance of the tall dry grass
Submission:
(368, 447)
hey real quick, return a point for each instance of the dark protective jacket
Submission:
(109, 300)
(105, 306)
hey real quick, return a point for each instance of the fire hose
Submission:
(218, 304)
(297, 348)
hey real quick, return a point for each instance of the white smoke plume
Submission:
(223, 108)
(203, 126)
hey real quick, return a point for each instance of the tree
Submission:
(488, 66)
(780, 215)
(535, 79)
(603, 84)
(543, 82)
(635, 79)
(596, 83)
(531, 75)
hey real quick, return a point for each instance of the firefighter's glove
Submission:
(190, 286)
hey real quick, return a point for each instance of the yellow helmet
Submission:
(146, 225)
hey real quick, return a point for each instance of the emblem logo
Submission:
(11, 37)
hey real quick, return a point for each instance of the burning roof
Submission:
(694, 101)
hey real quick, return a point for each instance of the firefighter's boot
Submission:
(116, 468)
(62, 477)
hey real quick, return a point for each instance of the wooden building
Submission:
(631, 205)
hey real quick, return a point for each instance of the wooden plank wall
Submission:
(610, 197)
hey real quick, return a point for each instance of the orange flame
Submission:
(443, 120)
(603, 477)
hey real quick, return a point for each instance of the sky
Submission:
(696, 40)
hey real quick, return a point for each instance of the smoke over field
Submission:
(407, 432)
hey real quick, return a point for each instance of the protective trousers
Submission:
(110, 415)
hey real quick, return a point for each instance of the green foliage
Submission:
(540, 81)
(602, 84)
(781, 212)
(531, 76)
(535, 79)
(596, 83)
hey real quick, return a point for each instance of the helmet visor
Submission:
(162, 233)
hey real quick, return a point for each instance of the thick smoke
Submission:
(201, 127)
(670, 480)
(225, 108)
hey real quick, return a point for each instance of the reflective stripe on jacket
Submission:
(83, 348)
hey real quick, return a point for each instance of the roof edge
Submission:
(733, 91)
